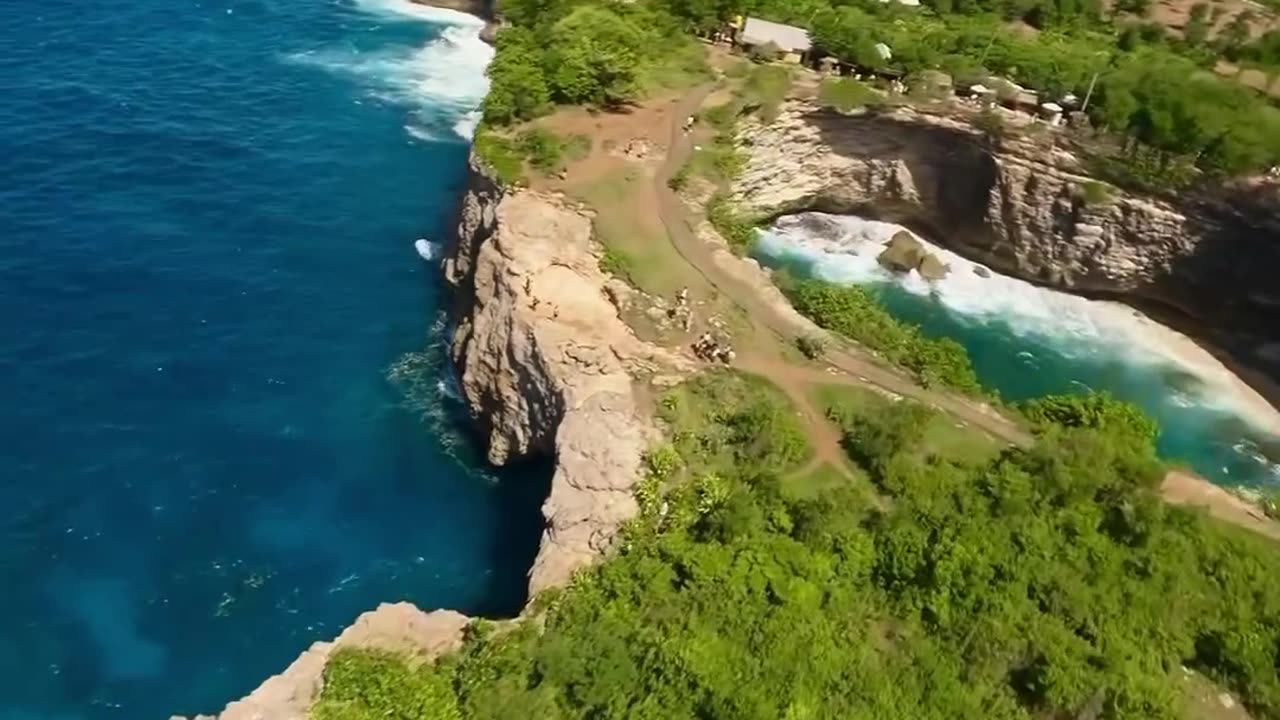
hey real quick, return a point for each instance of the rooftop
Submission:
(786, 37)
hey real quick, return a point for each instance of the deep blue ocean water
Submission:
(226, 430)
(1026, 342)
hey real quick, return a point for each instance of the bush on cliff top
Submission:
(1039, 583)
(852, 312)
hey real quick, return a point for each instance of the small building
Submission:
(793, 43)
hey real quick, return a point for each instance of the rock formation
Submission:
(547, 368)
(398, 627)
(1026, 209)
(546, 364)
(904, 253)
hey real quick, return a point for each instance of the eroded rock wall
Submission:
(547, 365)
(1026, 209)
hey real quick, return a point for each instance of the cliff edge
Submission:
(547, 365)
(547, 368)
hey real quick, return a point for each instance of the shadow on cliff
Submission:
(521, 489)
(933, 157)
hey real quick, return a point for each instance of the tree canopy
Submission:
(1050, 582)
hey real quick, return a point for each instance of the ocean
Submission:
(229, 428)
(1027, 341)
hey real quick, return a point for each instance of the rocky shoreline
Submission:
(1029, 210)
(548, 368)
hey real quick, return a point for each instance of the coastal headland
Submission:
(580, 291)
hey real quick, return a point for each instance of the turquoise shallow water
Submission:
(223, 433)
(1027, 341)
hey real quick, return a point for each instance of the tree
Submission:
(517, 86)
(593, 56)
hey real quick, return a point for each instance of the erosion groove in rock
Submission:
(1022, 210)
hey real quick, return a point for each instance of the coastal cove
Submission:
(232, 425)
(291, 350)
(1027, 341)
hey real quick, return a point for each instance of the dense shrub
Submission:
(852, 312)
(1044, 583)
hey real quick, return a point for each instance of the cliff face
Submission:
(1023, 209)
(546, 364)
(547, 368)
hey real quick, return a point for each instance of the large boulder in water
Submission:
(931, 268)
(905, 253)
(902, 253)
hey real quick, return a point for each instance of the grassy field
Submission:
(944, 436)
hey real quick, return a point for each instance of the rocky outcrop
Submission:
(398, 627)
(1025, 209)
(904, 253)
(547, 366)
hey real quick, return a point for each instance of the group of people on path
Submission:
(709, 349)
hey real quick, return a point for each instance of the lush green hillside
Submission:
(1050, 579)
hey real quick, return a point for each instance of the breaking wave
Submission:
(442, 82)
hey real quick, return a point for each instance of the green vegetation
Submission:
(937, 435)
(372, 684)
(1157, 91)
(582, 53)
(502, 155)
(853, 313)
(1095, 193)
(1095, 411)
(765, 89)
(737, 229)
(540, 148)
(847, 94)
(1050, 582)
(615, 261)
(811, 346)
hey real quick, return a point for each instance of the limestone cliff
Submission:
(547, 368)
(1025, 209)
(547, 365)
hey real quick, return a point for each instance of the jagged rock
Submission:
(931, 268)
(902, 253)
(546, 364)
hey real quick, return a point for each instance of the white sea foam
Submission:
(844, 249)
(404, 10)
(443, 83)
(427, 250)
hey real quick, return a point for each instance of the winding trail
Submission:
(779, 327)
(764, 354)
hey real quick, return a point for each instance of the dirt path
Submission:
(773, 328)
(764, 316)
